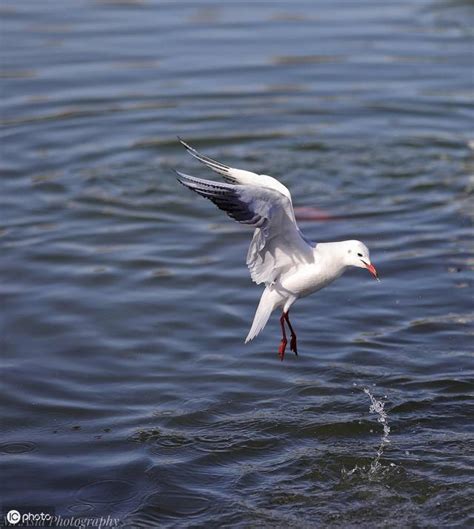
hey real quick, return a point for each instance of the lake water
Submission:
(126, 387)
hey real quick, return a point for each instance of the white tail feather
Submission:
(268, 302)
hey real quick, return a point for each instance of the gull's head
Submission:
(357, 254)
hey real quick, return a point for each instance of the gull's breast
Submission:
(308, 279)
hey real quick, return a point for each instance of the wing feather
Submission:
(277, 243)
(216, 166)
(237, 176)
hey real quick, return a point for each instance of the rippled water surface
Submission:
(127, 389)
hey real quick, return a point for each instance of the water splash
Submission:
(376, 469)
(377, 406)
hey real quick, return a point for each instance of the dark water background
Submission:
(126, 388)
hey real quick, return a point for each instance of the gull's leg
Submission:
(284, 341)
(293, 334)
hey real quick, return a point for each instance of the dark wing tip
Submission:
(186, 145)
(181, 177)
(211, 163)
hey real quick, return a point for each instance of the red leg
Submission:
(293, 334)
(284, 341)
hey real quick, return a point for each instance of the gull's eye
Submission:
(359, 254)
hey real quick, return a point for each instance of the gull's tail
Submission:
(268, 302)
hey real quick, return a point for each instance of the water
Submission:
(375, 470)
(126, 387)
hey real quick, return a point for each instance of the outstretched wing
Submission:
(238, 176)
(277, 243)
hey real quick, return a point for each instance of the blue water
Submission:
(126, 387)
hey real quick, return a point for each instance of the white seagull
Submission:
(289, 265)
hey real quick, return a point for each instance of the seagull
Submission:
(289, 265)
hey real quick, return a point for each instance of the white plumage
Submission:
(279, 255)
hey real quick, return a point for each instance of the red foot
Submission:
(281, 349)
(293, 344)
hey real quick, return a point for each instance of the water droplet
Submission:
(377, 406)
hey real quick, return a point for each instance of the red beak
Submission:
(372, 270)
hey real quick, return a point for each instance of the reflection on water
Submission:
(127, 389)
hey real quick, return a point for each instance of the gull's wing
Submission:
(238, 176)
(277, 243)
